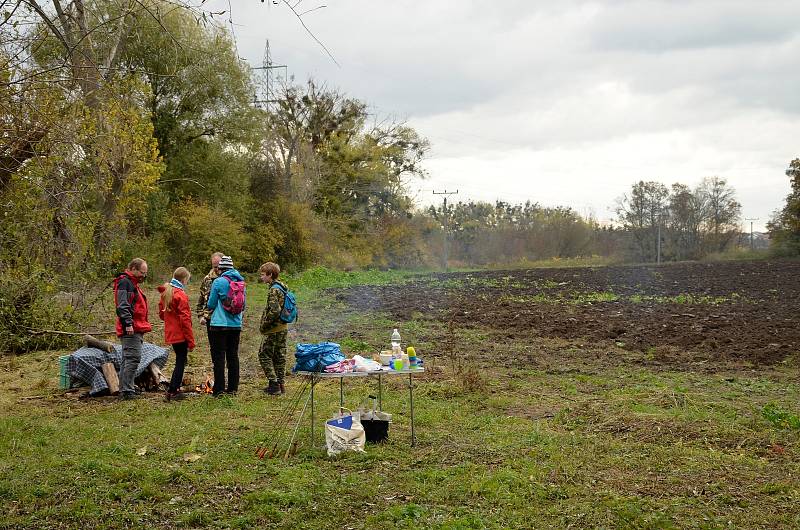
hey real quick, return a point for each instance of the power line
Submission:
(267, 67)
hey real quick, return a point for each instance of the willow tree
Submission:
(76, 48)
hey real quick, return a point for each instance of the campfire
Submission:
(206, 387)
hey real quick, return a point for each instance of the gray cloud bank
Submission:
(674, 90)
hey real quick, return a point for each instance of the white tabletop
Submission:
(387, 371)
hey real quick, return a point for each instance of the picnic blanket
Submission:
(84, 365)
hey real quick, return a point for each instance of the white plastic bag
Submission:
(344, 432)
(365, 365)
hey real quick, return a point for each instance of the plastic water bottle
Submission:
(396, 343)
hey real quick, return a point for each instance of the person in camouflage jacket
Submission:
(272, 353)
(202, 311)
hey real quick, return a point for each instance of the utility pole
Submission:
(658, 245)
(751, 219)
(268, 67)
(658, 242)
(444, 210)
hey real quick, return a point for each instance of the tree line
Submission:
(129, 128)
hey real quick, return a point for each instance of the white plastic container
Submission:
(386, 358)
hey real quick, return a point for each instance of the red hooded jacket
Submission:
(131, 305)
(178, 320)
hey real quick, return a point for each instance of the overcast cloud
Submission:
(565, 103)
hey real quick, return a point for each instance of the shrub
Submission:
(29, 303)
(294, 244)
(196, 230)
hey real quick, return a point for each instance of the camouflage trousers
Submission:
(272, 356)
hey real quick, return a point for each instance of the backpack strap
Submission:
(116, 281)
(279, 286)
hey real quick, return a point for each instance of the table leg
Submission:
(313, 384)
(341, 392)
(380, 392)
(411, 401)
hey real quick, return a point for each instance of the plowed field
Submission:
(745, 312)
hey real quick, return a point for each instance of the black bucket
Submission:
(376, 431)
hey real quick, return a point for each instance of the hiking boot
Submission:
(273, 389)
(282, 387)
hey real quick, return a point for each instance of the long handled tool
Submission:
(281, 418)
(280, 427)
(292, 449)
(278, 431)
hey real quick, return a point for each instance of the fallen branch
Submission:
(94, 342)
(57, 332)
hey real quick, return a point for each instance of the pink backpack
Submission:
(233, 302)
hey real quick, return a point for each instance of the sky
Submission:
(563, 103)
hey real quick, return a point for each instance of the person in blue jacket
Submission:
(226, 300)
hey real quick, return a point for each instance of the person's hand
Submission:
(202, 321)
(129, 330)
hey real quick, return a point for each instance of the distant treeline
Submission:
(654, 222)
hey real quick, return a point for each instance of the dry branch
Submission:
(35, 331)
(94, 342)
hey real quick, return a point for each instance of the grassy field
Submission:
(583, 437)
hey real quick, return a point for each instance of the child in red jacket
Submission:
(173, 309)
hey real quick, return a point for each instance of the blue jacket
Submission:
(219, 289)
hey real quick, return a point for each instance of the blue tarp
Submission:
(315, 357)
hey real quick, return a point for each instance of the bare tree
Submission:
(641, 212)
(723, 212)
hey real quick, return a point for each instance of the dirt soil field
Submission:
(743, 312)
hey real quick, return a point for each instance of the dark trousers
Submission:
(181, 352)
(131, 356)
(225, 348)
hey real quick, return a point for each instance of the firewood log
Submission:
(157, 374)
(110, 373)
(94, 342)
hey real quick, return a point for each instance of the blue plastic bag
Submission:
(343, 422)
(315, 357)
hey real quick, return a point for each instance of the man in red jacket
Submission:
(132, 322)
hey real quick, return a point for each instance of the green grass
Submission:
(686, 299)
(575, 438)
(323, 278)
(581, 261)
(582, 298)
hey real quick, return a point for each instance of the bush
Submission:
(29, 303)
(197, 229)
(288, 236)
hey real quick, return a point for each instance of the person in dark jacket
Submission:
(225, 328)
(173, 309)
(132, 323)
